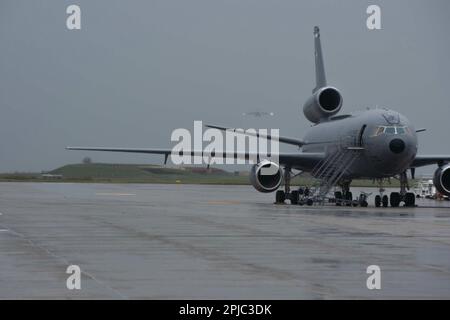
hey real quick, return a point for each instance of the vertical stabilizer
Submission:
(321, 80)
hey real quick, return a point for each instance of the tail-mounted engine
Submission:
(324, 103)
(266, 176)
(441, 179)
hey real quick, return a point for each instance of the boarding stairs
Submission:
(330, 170)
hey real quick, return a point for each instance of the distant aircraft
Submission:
(258, 114)
(376, 143)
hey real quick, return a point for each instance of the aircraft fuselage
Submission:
(388, 139)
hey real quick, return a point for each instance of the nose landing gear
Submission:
(395, 198)
(385, 201)
(381, 200)
(407, 197)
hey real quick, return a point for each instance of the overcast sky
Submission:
(139, 69)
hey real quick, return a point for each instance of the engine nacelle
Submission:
(269, 181)
(441, 179)
(324, 103)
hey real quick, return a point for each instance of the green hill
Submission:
(105, 172)
(135, 173)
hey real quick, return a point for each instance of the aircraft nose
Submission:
(397, 145)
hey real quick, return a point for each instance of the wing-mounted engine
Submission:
(266, 180)
(441, 179)
(324, 103)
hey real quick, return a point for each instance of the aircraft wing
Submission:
(287, 140)
(296, 160)
(425, 160)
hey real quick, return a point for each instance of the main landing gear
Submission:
(280, 195)
(395, 198)
(300, 196)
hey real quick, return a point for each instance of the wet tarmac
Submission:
(213, 242)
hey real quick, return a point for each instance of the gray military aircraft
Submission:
(258, 114)
(375, 143)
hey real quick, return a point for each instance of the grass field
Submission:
(133, 173)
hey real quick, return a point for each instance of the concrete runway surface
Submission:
(207, 242)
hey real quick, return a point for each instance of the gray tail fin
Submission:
(321, 80)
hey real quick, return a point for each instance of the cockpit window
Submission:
(379, 131)
(391, 130)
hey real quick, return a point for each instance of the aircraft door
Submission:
(361, 136)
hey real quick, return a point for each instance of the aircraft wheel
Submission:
(309, 202)
(338, 196)
(385, 201)
(395, 199)
(377, 201)
(355, 203)
(294, 197)
(280, 196)
(306, 191)
(410, 199)
(349, 198)
(301, 191)
(364, 204)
